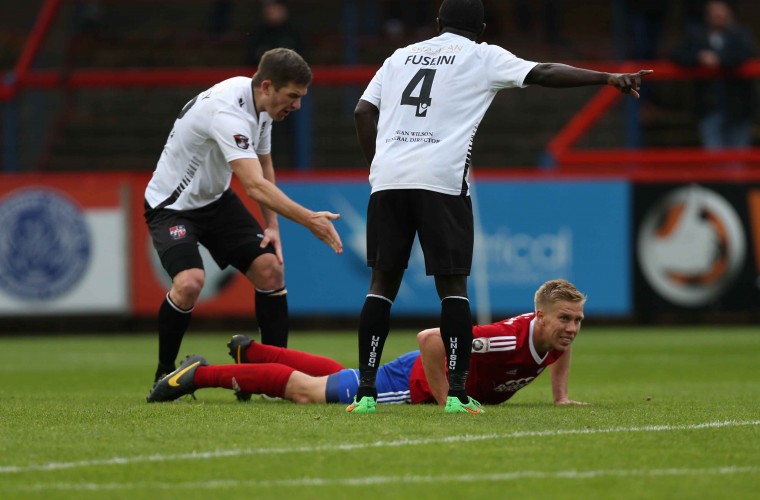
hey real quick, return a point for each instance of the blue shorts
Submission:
(392, 382)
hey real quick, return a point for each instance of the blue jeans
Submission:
(718, 131)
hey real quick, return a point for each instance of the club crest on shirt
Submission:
(478, 345)
(241, 141)
(177, 232)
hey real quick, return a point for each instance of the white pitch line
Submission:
(204, 455)
(386, 480)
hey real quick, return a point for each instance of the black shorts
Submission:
(225, 227)
(442, 222)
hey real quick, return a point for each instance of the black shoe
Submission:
(238, 345)
(179, 382)
(162, 371)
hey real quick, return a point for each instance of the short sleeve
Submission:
(505, 69)
(232, 134)
(374, 89)
(493, 330)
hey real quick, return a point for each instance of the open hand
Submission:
(321, 226)
(566, 401)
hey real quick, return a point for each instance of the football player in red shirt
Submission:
(505, 357)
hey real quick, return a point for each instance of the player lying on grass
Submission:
(506, 356)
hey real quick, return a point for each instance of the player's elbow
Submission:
(255, 191)
(541, 74)
(365, 112)
(557, 75)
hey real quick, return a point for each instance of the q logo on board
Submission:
(44, 244)
(691, 246)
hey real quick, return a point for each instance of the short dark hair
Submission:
(466, 15)
(282, 66)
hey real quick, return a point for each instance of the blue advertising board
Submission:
(526, 233)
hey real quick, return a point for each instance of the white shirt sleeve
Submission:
(233, 136)
(374, 89)
(507, 70)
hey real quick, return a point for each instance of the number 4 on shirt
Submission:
(422, 101)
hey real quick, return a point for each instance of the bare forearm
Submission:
(250, 173)
(559, 388)
(273, 201)
(267, 169)
(560, 374)
(365, 119)
(561, 75)
(433, 356)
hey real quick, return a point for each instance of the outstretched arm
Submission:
(433, 356)
(365, 119)
(251, 175)
(560, 373)
(561, 76)
(272, 225)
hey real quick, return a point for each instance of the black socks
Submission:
(374, 324)
(172, 325)
(272, 316)
(456, 333)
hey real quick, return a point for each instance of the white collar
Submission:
(538, 359)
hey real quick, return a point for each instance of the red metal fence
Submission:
(562, 148)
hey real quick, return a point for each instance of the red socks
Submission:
(266, 378)
(267, 372)
(310, 364)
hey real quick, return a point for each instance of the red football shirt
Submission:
(502, 362)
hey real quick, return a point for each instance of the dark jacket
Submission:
(732, 94)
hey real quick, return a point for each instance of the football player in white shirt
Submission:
(416, 122)
(224, 130)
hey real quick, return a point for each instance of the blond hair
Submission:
(557, 290)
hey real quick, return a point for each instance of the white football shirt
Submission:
(432, 96)
(217, 126)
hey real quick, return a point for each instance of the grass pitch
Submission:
(675, 413)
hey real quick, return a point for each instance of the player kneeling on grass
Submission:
(506, 356)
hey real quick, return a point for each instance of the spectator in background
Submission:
(725, 105)
(694, 11)
(275, 29)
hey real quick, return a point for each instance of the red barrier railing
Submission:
(33, 43)
(561, 147)
(165, 77)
